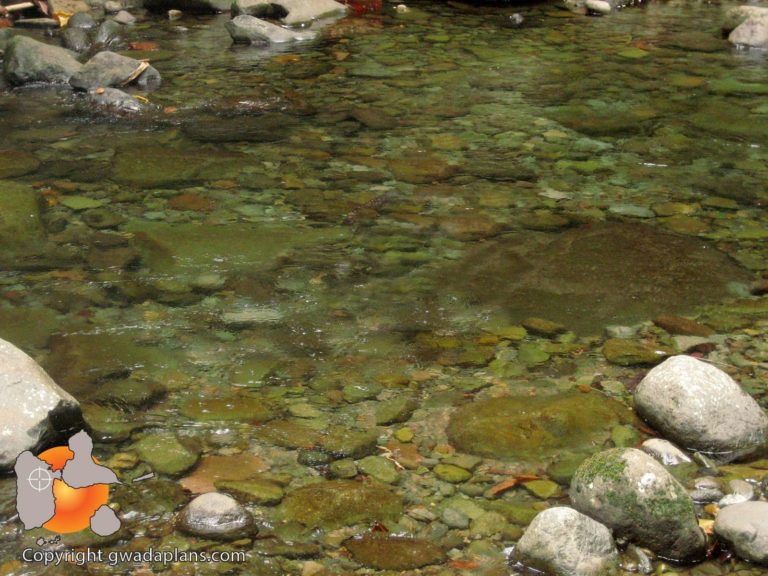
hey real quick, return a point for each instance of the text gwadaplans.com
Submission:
(113, 558)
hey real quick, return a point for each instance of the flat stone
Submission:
(166, 454)
(530, 429)
(253, 491)
(397, 553)
(586, 278)
(630, 353)
(246, 29)
(337, 503)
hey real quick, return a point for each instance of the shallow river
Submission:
(290, 243)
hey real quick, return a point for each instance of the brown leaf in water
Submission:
(503, 486)
(214, 468)
(144, 46)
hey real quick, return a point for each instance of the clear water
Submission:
(285, 223)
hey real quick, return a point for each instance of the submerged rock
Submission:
(631, 493)
(563, 542)
(534, 428)
(113, 100)
(592, 276)
(110, 69)
(217, 516)
(337, 503)
(745, 528)
(246, 29)
(665, 452)
(27, 60)
(700, 407)
(34, 410)
(388, 552)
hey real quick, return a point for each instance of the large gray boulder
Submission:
(634, 495)
(246, 29)
(34, 410)
(752, 33)
(27, 60)
(563, 542)
(745, 528)
(110, 69)
(700, 407)
(217, 516)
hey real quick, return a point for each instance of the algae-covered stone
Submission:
(14, 163)
(543, 489)
(364, 391)
(395, 410)
(635, 496)
(562, 542)
(342, 442)
(398, 553)
(542, 326)
(344, 468)
(698, 406)
(379, 468)
(166, 454)
(253, 491)
(129, 393)
(108, 424)
(339, 503)
(288, 434)
(20, 223)
(630, 353)
(451, 473)
(535, 428)
(27, 60)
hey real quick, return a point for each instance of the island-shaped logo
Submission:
(65, 489)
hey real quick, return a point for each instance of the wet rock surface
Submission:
(338, 503)
(532, 428)
(385, 552)
(35, 410)
(634, 495)
(27, 61)
(562, 541)
(745, 528)
(695, 404)
(216, 516)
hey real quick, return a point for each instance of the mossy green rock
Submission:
(451, 473)
(252, 491)
(108, 424)
(379, 468)
(630, 353)
(338, 503)
(397, 553)
(532, 429)
(543, 488)
(288, 434)
(166, 454)
(14, 163)
(341, 442)
(632, 494)
(395, 410)
(20, 223)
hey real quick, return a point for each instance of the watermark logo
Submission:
(65, 489)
